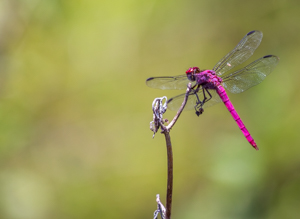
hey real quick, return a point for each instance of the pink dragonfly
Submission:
(208, 85)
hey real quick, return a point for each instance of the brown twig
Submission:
(158, 121)
(170, 176)
(172, 123)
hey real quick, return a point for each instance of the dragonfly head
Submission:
(190, 73)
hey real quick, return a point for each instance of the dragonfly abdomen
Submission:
(223, 95)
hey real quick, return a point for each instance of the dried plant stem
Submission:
(166, 131)
(170, 176)
(172, 123)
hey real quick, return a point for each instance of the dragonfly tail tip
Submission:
(255, 146)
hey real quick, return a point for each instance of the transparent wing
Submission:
(175, 102)
(244, 49)
(169, 83)
(251, 75)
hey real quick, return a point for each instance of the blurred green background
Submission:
(75, 110)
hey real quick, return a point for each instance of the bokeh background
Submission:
(75, 110)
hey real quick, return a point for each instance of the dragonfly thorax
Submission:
(208, 79)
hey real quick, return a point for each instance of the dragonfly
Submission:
(209, 86)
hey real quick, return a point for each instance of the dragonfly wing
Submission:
(169, 83)
(175, 102)
(251, 75)
(244, 49)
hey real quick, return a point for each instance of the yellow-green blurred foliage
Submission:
(75, 111)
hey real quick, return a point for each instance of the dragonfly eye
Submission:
(190, 76)
(190, 73)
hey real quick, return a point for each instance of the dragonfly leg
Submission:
(196, 85)
(210, 96)
(198, 107)
(199, 104)
(195, 91)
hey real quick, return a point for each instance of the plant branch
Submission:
(170, 176)
(158, 121)
(172, 123)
